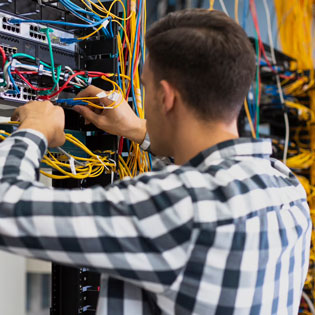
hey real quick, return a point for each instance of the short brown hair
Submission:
(207, 57)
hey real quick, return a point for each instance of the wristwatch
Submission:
(145, 145)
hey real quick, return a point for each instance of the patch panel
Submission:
(26, 94)
(36, 33)
(39, 49)
(9, 50)
(31, 31)
(6, 25)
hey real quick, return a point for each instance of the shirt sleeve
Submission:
(137, 230)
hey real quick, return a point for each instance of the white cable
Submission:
(70, 157)
(274, 61)
(76, 78)
(309, 302)
(224, 7)
(6, 75)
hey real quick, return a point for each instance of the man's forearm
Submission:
(138, 133)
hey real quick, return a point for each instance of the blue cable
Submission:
(119, 78)
(73, 9)
(133, 58)
(71, 102)
(150, 159)
(17, 90)
(16, 21)
(245, 11)
(111, 28)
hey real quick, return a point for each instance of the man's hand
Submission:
(120, 121)
(43, 117)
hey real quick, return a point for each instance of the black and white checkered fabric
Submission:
(227, 233)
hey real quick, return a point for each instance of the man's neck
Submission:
(189, 141)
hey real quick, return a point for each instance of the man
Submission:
(224, 231)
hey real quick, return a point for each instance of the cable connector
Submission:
(40, 69)
(14, 63)
(69, 41)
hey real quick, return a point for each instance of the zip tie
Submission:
(40, 69)
(113, 161)
(102, 163)
(114, 97)
(105, 23)
(101, 94)
(72, 166)
(13, 64)
(133, 6)
(69, 156)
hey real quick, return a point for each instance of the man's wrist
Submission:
(138, 133)
(34, 126)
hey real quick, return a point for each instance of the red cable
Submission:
(92, 74)
(121, 145)
(29, 84)
(26, 72)
(65, 85)
(4, 57)
(261, 45)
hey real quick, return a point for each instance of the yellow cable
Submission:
(249, 119)
(211, 4)
(236, 11)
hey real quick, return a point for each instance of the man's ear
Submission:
(168, 95)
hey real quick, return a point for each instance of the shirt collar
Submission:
(232, 148)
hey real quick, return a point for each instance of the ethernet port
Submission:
(35, 29)
(9, 28)
(4, 26)
(24, 96)
(29, 97)
(31, 27)
(19, 95)
(4, 19)
(31, 34)
(33, 97)
(35, 35)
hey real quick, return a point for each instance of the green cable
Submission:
(55, 84)
(4, 83)
(257, 87)
(47, 31)
(30, 57)
(124, 21)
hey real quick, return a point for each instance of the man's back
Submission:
(248, 247)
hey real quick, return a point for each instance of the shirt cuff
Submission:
(35, 136)
(145, 145)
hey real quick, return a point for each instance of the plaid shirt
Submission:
(226, 233)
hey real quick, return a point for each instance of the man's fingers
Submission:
(16, 115)
(91, 90)
(87, 113)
